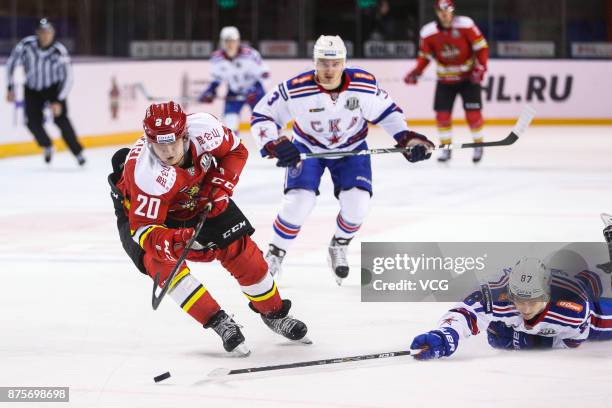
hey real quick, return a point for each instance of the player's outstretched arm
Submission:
(460, 322)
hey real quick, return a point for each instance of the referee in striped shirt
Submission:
(48, 80)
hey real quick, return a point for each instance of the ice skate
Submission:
(281, 322)
(48, 154)
(445, 156)
(477, 154)
(229, 331)
(337, 258)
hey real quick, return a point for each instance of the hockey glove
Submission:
(478, 74)
(412, 77)
(253, 94)
(503, 337)
(218, 188)
(421, 146)
(207, 97)
(287, 154)
(435, 344)
(167, 244)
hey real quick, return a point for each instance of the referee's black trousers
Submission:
(34, 104)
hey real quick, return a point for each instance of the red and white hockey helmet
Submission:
(448, 5)
(165, 123)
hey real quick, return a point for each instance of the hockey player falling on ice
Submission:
(180, 166)
(331, 107)
(530, 307)
(461, 54)
(242, 69)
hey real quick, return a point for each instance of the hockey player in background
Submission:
(461, 53)
(161, 186)
(331, 107)
(242, 69)
(530, 307)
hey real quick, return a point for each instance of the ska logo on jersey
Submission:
(547, 332)
(352, 103)
(314, 110)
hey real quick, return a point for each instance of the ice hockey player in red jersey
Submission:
(461, 53)
(182, 164)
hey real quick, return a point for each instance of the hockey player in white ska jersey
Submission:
(530, 307)
(244, 72)
(331, 107)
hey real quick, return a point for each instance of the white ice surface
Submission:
(75, 312)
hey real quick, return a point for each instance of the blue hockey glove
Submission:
(287, 154)
(421, 146)
(503, 337)
(435, 344)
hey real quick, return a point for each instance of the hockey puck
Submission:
(162, 377)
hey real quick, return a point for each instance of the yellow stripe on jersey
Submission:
(179, 277)
(191, 299)
(146, 233)
(479, 44)
(264, 296)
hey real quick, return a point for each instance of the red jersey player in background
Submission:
(461, 53)
(180, 166)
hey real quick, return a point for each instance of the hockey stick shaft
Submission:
(521, 125)
(140, 86)
(222, 371)
(156, 300)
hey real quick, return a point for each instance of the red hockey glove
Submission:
(412, 77)
(478, 73)
(168, 244)
(421, 146)
(218, 188)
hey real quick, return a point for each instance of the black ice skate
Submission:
(477, 154)
(80, 159)
(229, 331)
(445, 155)
(284, 324)
(338, 248)
(274, 258)
(48, 154)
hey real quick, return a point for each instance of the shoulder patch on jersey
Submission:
(429, 29)
(360, 75)
(302, 80)
(462, 22)
(151, 175)
(205, 131)
(576, 307)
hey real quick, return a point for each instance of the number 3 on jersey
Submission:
(147, 206)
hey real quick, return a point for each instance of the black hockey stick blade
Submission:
(220, 372)
(156, 299)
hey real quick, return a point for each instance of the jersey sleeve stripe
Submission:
(392, 108)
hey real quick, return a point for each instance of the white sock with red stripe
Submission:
(354, 206)
(297, 204)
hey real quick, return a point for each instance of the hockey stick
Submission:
(220, 372)
(521, 125)
(158, 298)
(140, 86)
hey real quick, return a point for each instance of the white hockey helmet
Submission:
(229, 33)
(529, 280)
(329, 47)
